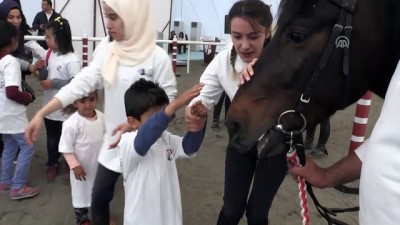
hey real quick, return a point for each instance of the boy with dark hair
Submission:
(148, 154)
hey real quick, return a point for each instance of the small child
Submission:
(148, 154)
(13, 119)
(80, 143)
(58, 68)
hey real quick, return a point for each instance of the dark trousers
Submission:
(324, 132)
(1, 145)
(240, 170)
(218, 106)
(53, 132)
(102, 194)
(180, 47)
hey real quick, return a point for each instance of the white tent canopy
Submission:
(85, 16)
(209, 13)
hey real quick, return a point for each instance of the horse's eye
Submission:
(297, 37)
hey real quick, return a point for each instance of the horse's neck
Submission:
(384, 42)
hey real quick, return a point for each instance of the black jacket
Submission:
(41, 18)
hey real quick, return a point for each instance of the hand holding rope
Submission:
(293, 158)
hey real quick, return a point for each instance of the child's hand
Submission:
(198, 109)
(33, 70)
(183, 99)
(194, 123)
(118, 131)
(40, 64)
(46, 84)
(79, 173)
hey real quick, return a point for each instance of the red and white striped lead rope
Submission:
(293, 158)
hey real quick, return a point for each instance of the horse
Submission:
(324, 55)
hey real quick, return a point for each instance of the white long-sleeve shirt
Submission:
(157, 67)
(220, 76)
(380, 156)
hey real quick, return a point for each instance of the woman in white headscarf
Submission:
(129, 53)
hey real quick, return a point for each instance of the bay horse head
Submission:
(324, 55)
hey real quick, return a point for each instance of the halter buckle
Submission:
(337, 27)
(302, 99)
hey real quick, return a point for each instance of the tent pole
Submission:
(94, 21)
(170, 15)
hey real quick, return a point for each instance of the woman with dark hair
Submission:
(11, 11)
(182, 37)
(250, 25)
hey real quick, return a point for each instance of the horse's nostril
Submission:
(233, 129)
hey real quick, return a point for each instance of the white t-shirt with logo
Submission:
(157, 67)
(58, 69)
(13, 118)
(84, 138)
(152, 193)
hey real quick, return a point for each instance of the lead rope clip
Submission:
(293, 158)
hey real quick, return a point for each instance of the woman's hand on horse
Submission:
(311, 172)
(248, 71)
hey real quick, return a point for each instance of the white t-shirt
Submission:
(152, 193)
(13, 118)
(220, 76)
(380, 156)
(84, 138)
(58, 68)
(157, 67)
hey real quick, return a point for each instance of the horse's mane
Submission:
(287, 10)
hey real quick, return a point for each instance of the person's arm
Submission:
(26, 66)
(12, 82)
(89, 80)
(13, 93)
(345, 170)
(153, 128)
(150, 131)
(32, 130)
(72, 68)
(210, 94)
(192, 141)
(71, 160)
(213, 89)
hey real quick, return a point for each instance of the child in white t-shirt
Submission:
(13, 119)
(148, 154)
(80, 143)
(57, 67)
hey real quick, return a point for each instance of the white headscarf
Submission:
(139, 36)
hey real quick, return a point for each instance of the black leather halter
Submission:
(342, 29)
(342, 26)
